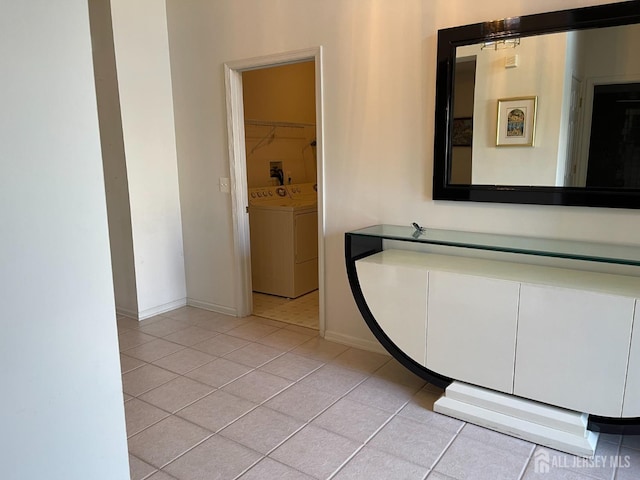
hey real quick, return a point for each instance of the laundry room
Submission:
(281, 166)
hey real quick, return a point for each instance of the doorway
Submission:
(614, 149)
(273, 167)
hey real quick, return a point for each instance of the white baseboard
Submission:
(192, 302)
(167, 307)
(370, 345)
(125, 312)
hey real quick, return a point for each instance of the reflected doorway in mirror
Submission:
(516, 123)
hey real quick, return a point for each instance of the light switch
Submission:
(224, 185)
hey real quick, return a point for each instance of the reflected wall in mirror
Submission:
(583, 66)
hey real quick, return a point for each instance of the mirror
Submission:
(541, 109)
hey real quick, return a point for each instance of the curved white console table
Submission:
(542, 352)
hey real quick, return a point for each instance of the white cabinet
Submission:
(471, 329)
(631, 406)
(572, 348)
(396, 293)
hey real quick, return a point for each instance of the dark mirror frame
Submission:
(609, 15)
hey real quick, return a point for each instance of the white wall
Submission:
(113, 159)
(540, 72)
(61, 402)
(144, 81)
(280, 94)
(379, 87)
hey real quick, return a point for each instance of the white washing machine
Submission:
(284, 241)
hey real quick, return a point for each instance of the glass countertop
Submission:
(570, 249)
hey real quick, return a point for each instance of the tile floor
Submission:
(298, 311)
(214, 397)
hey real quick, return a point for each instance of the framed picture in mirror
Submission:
(462, 132)
(516, 125)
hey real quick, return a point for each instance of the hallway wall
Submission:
(61, 402)
(146, 107)
(379, 88)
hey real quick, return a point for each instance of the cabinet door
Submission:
(397, 298)
(631, 406)
(573, 347)
(471, 329)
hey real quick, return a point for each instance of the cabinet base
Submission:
(552, 427)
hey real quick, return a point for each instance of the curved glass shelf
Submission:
(573, 250)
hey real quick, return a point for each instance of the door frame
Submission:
(238, 170)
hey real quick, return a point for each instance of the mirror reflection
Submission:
(587, 119)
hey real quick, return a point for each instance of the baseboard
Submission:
(167, 307)
(369, 345)
(125, 312)
(212, 307)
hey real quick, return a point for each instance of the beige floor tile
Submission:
(415, 442)
(421, 403)
(315, 451)
(163, 326)
(254, 354)
(303, 330)
(333, 379)
(140, 415)
(153, 350)
(139, 469)
(133, 338)
(352, 420)
(562, 465)
(285, 339)
(217, 410)
(190, 336)
(361, 360)
(215, 459)
(220, 345)
(221, 324)
(129, 363)
(301, 311)
(397, 373)
(145, 378)
(320, 349)
(184, 360)
(418, 413)
(186, 314)
(467, 458)
(262, 429)
(302, 402)
(495, 439)
(268, 468)
(610, 438)
(160, 475)
(176, 394)
(167, 439)
(629, 465)
(631, 441)
(374, 464)
(268, 321)
(125, 323)
(257, 386)
(383, 394)
(218, 372)
(433, 475)
(291, 366)
(252, 331)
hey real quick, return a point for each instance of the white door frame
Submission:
(238, 167)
